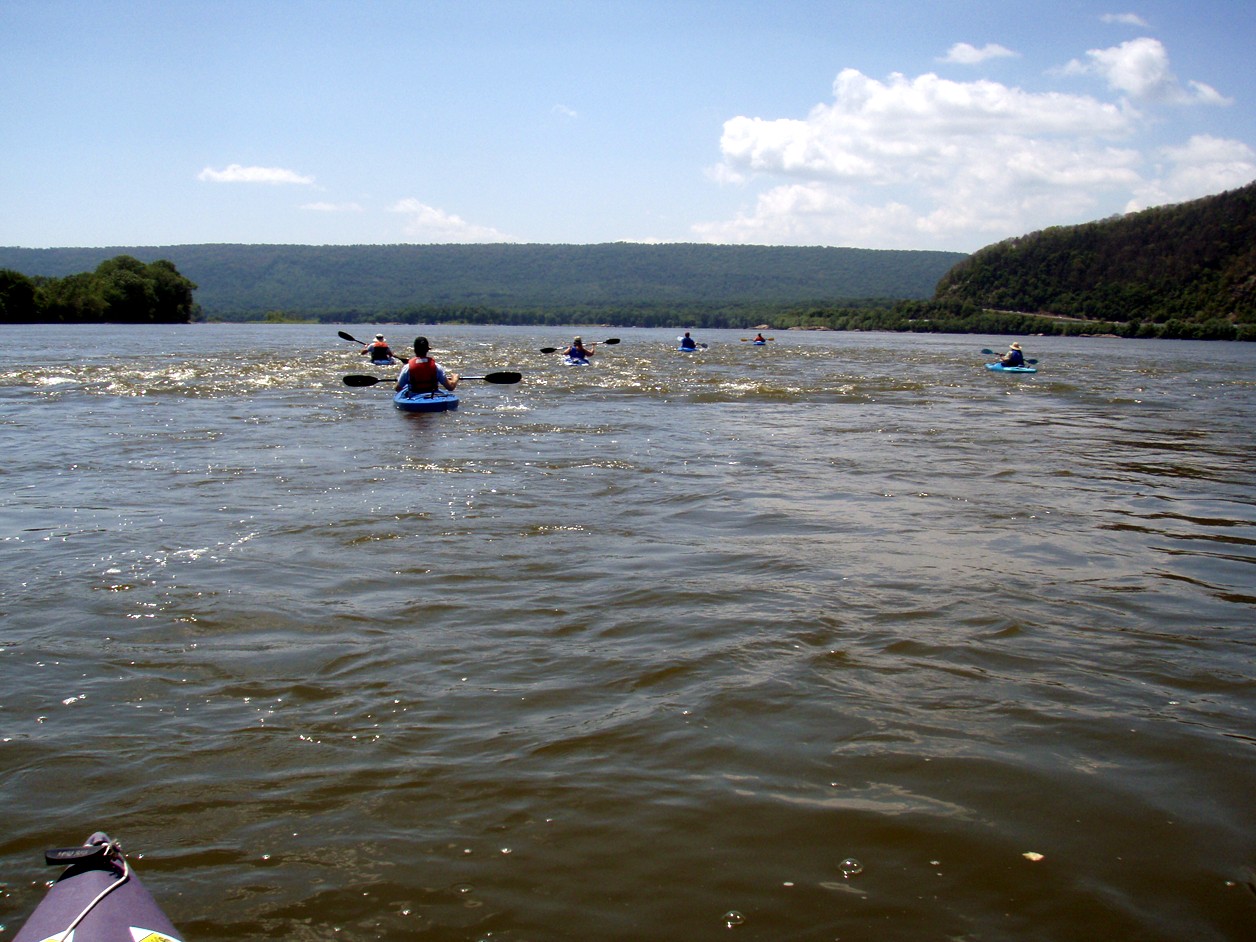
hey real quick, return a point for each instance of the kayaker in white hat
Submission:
(378, 349)
(1014, 356)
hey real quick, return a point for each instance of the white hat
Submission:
(379, 336)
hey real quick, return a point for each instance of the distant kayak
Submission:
(759, 343)
(439, 401)
(1000, 368)
(97, 896)
(383, 362)
(688, 349)
(576, 361)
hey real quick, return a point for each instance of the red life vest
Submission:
(422, 375)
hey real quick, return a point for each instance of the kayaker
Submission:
(1014, 356)
(578, 351)
(688, 343)
(423, 374)
(378, 349)
(759, 338)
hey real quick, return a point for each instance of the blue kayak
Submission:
(687, 349)
(99, 897)
(576, 361)
(383, 363)
(439, 401)
(1000, 368)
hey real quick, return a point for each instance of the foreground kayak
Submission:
(439, 401)
(99, 897)
(1000, 368)
(576, 361)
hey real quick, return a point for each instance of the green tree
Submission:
(17, 298)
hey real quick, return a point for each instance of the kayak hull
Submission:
(575, 361)
(126, 913)
(1000, 368)
(383, 363)
(439, 401)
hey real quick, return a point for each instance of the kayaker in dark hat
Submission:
(422, 374)
(1014, 356)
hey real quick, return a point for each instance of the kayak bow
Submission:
(98, 898)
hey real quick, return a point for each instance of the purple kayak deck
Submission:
(127, 913)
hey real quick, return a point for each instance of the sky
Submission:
(883, 124)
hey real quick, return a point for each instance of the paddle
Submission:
(993, 354)
(613, 340)
(503, 378)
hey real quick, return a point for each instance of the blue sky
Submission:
(937, 124)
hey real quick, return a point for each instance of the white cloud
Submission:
(564, 112)
(1200, 167)
(966, 54)
(333, 207)
(927, 162)
(429, 224)
(235, 173)
(903, 129)
(1140, 69)
(1125, 19)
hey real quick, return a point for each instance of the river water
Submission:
(841, 638)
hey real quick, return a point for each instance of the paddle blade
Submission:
(359, 380)
(613, 340)
(549, 349)
(503, 378)
(344, 336)
(988, 353)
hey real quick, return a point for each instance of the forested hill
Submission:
(1190, 267)
(505, 281)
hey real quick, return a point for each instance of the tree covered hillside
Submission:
(1179, 271)
(511, 283)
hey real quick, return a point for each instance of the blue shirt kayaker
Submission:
(688, 343)
(578, 351)
(431, 374)
(1014, 356)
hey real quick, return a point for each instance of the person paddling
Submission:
(688, 343)
(1014, 356)
(378, 349)
(422, 375)
(578, 351)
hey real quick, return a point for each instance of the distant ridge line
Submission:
(245, 279)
